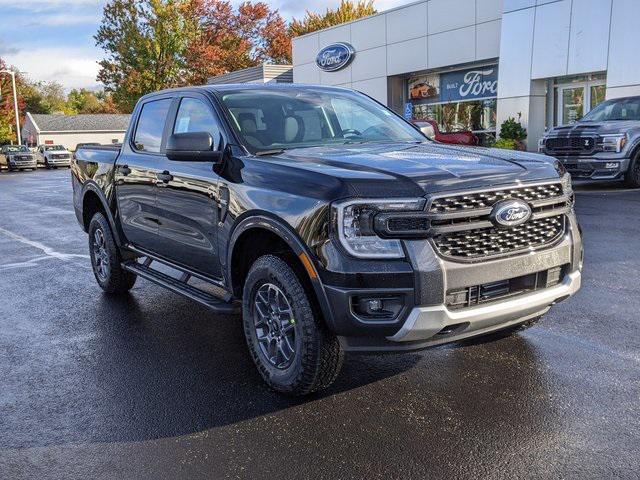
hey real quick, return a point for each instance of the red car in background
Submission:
(431, 130)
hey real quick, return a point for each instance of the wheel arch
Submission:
(275, 232)
(93, 201)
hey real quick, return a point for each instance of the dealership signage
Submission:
(335, 57)
(471, 84)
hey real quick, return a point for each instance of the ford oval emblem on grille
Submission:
(509, 213)
(335, 57)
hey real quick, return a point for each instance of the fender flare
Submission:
(93, 187)
(287, 234)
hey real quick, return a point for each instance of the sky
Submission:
(53, 39)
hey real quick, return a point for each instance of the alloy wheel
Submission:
(101, 261)
(274, 325)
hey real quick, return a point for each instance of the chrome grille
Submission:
(483, 242)
(477, 200)
(461, 227)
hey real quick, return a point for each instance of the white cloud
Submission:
(61, 19)
(73, 68)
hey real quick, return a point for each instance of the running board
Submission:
(181, 286)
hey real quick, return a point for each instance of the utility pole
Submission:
(15, 102)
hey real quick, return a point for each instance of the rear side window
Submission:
(148, 136)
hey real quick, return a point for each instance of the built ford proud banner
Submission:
(472, 84)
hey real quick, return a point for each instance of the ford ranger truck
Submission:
(604, 145)
(328, 222)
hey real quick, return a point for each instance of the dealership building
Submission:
(471, 64)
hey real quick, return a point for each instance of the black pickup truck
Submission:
(329, 222)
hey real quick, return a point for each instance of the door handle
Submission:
(165, 177)
(125, 170)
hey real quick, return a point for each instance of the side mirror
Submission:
(192, 147)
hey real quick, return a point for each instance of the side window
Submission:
(148, 136)
(195, 116)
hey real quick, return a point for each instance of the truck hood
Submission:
(429, 166)
(593, 128)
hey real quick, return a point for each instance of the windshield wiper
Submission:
(275, 151)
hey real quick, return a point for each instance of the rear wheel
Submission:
(292, 348)
(632, 178)
(106, 258)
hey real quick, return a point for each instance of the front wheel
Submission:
(632, 178)
(106, 259)
(292, 348)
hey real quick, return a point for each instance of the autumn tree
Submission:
(347, 11)
(145, 43)
(230, 39)
(7, 111)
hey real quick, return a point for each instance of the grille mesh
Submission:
(570, 143)
(484, 242)
(472, 201)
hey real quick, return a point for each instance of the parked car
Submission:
(17, 157)
(54, 156)
(431, 130)
(329, 222)
(604, 145)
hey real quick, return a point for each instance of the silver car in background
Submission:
(17, 157)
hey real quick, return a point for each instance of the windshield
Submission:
(49, 148)
(621, 109)
(14, 148)
(300, 117)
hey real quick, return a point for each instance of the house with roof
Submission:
(70, 130)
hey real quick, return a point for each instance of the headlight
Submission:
(356, 229)
(613, 142)
(562, 171)
(567, 187)
(541, 144)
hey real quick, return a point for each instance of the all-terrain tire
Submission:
(106, 258)
(632, 177)
(317, 357)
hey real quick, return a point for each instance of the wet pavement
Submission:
(151, 385)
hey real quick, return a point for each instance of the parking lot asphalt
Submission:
(151, 385)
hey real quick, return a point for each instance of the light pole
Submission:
(15, 102)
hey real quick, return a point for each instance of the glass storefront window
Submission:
(597, 95)
(572, 104)
(475, 115)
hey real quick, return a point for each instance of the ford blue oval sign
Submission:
(510, 213)
(335, 57)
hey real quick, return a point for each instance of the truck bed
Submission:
(98, 154)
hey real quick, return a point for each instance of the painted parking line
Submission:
(46, 250)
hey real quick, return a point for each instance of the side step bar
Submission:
(181, 286)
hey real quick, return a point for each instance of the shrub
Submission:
(512, 130)
(506, 143)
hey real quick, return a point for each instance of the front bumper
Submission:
(426, 320)
(424, 324)
(603, 167)
(58, 162)
(22, 164)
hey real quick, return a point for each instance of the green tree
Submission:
(84, 101)
(145, 43)
(347, 11)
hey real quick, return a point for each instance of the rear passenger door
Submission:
(187, 199)
(136, 175)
